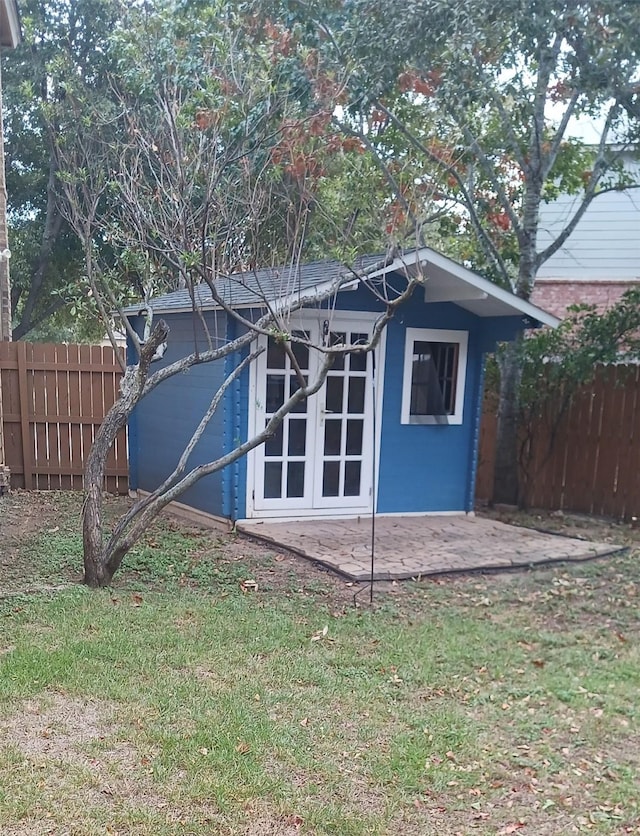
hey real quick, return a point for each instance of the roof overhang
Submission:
(10, 32)
(447, 281)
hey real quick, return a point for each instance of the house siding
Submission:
(164, 421)
(605, 244)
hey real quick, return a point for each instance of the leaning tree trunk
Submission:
(506, 488)
(98, 567)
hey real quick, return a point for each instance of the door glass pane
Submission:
(295, 479)
(275, 355)
(301, 353)
(273, 445)
(297, 437)
(356, 394)
(293, 387)
(273, 480)
(338, 338)
(354, 437)
(335, 387)
(331, 479)
(275, 392)
(358, 362)
(352, 478)
(332, 437)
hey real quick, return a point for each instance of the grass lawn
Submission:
(223, 688)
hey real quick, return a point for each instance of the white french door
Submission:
(321, 456)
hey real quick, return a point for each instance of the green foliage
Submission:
(475, 100)
(556, 362)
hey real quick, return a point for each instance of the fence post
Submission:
(5, 476)
(27, 458)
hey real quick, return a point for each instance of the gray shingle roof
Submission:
(253, 288)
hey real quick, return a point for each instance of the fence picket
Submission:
(594, 466)
(54, 399)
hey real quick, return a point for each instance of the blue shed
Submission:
(395, 430)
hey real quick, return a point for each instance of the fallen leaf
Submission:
(511, 828)
(304, 721)
(248, 585)
(320, 634)
(137, 599)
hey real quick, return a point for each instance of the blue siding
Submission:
(430, 467)
(165, 420)
(426, 467)
(236, 410)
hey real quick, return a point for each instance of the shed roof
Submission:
(445, 280)
(253, 287)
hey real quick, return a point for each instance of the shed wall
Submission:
(165, 420)
(425, 468)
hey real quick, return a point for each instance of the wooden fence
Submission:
(593, 465)
(54, 397)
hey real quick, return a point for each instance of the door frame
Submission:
(337, 320)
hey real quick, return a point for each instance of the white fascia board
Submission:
(426, 256)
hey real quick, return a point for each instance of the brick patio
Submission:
(409, 547)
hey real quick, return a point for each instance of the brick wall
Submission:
(556, 295)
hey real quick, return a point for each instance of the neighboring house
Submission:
(396, 430)
(600, 259)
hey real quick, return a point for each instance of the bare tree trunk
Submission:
(98, 571)
(505, 478)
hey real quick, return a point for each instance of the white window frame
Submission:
(435, 336)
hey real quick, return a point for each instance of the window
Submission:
(434, 374)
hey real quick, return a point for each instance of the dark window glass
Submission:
(275, 355)
(331, 479)
(275, 392)
(358, 362)
(301, 406)
(301, 352)
(332, 437)
(273, 445)
(338, 338)
(356, 394)
(272, 480)
(295, 479)
(354, 437)
(352, 478)
(297, 437)
(433, 378)
(335, 388)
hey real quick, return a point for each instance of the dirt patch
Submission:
(85, 764)
(56, 727)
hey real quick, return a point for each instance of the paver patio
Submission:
(409, 547)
